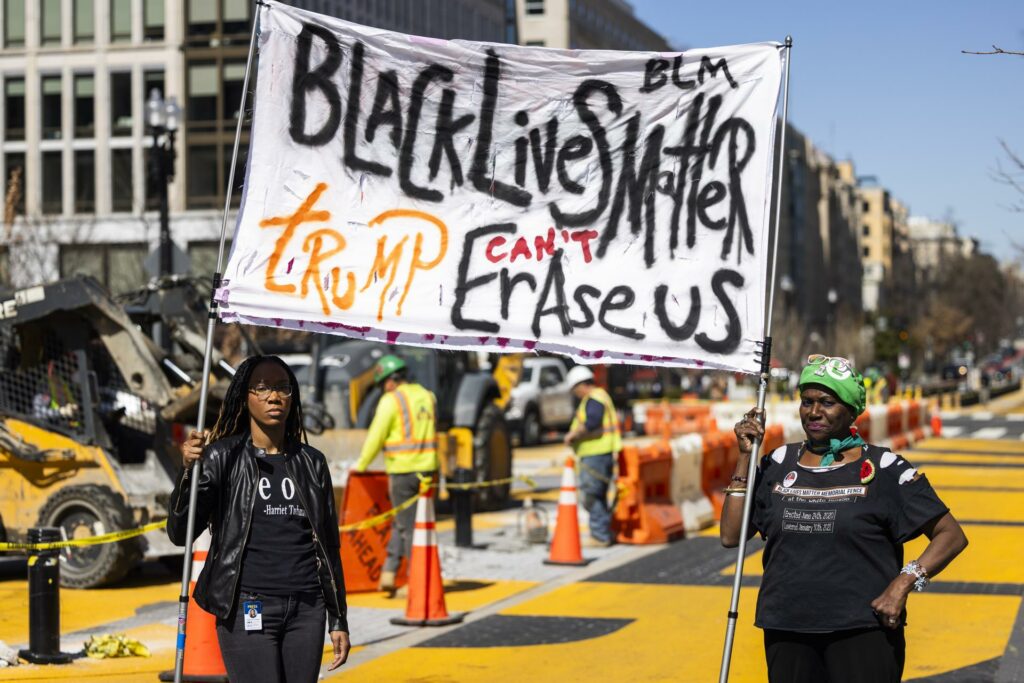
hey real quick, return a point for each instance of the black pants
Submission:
(288, 649)
(870, 655)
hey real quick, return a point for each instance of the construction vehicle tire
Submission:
(492, 456)
(90, 510)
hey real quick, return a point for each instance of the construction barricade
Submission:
(363, 550)
(645, 512)
(687, 490)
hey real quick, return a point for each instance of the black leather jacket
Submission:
(225, 500)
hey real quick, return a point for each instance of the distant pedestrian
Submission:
(835, 513)
(273, 574)
(596, 438)
(404, 429)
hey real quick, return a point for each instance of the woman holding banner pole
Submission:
(273, 576)
(835, 513)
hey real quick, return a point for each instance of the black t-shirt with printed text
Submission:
(279, 558)
(832, 543)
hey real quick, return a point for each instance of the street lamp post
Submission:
(163, 118)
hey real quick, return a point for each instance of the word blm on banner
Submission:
(604, 205)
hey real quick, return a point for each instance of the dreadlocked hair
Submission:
(234, 411)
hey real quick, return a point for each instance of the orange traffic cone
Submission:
(936, 424)
(203, 663)
(425, 606)
(565, 547)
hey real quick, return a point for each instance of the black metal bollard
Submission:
(44, 601)
(462, 509)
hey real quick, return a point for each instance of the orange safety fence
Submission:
(644, 513)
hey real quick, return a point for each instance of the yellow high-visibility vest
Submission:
(406, 417)
(610, 440)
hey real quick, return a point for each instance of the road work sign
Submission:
(610, 206)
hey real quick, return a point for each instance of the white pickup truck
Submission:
(541, 401)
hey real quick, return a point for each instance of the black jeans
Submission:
(867, 655)
(289, 647)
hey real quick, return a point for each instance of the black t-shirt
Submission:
(832, 542)
(280, 558)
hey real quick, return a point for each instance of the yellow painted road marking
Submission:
(984, 560)
(965, 458)
(981, 445)
(459, 596)
(159, 638)
(80, 609)
(677, 636)
(993, 506)
(995, 478)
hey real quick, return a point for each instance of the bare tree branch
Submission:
(996, 50)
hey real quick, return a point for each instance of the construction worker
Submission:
(595, 437)
(403, 428)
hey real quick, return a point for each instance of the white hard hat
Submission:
(579, 374)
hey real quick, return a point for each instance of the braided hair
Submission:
(234, 411)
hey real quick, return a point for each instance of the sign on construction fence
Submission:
(605, 205)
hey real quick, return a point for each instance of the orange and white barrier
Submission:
(202, 648)
(425, 605)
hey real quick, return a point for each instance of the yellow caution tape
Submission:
(496, 482)
(112, 537)
(108, 646)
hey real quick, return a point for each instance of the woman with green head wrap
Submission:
(835, 512)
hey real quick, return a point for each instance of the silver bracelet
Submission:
(914, 568)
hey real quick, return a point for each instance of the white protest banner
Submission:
(610, 206)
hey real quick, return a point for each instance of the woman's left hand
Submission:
(889, 605)
(341, 648)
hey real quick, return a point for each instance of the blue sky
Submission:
(885, 84)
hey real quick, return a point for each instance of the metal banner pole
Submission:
(762, 389)
(186, 574)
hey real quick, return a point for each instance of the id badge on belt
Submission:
(253, 612)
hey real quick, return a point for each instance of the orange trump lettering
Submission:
(304, 214)
(314, 243)
(417, 262)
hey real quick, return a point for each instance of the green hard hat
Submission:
(387, 366)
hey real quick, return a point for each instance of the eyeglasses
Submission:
(836, 363)
(262, 391)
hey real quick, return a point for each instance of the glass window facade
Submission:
(84, 21)
(121, 103)
(202, 95)
(117, 266)
(51, 107)
(14, 172)
(85, 181)
(14, 109)
(202, 190)
(50, 22)
(120, 21)
(153, 19)
(53, 183)
(14, 23)
(85, 106)
(122, 192)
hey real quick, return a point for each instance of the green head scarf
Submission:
(838, 376)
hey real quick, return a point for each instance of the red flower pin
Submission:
(867, 471)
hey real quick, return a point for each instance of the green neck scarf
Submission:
(835, 447)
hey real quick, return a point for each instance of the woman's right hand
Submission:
(748, 429)
(192, 449)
